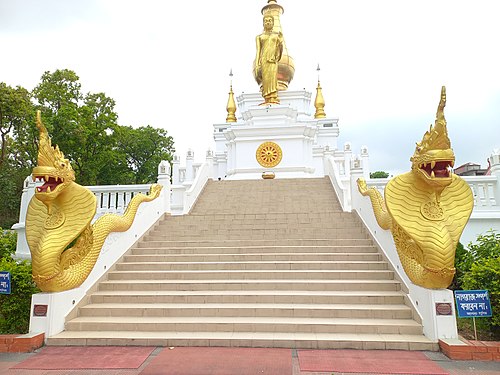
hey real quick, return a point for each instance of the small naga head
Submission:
(53, 169)
(434, 157)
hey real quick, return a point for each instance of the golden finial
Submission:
(319, 102)
(231, 104)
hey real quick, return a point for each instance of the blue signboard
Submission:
(4, 282)
(473, 303)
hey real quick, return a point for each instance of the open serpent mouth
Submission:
(438, 169)
(49, 183)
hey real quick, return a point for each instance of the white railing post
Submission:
(347, 159)
(365, 162)
(189, 167)
(175, 170)
(22, 249)
(164, 180)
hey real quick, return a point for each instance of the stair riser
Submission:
(289, 343)
(304, 299)
(254, 258)
(245, 327)
(168, 241)
(155, 247)
(188, 286)
(248, 312)
(258, 234)
(252, 275)
(201, 266)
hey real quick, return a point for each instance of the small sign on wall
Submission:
(444, 308)
(40, 310)
(5, 282)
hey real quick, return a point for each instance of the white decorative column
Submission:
(210, 161)
(189, 166)
(175, 173)
(365, 162)
(347, 159)
(22, 249)
(164, 180)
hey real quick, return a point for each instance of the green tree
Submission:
(16, 113)
(379, 174)
(81, 125)
(144, 148)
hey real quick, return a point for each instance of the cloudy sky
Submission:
(166, 64)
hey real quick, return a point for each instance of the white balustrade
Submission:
(115, 198)
(485, 191)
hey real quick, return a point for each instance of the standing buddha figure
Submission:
(273, 68)
(269, 51)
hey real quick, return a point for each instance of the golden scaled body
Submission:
(64, 244)
(426, 209)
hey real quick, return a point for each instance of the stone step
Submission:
(254, 225)
(250, 296)
(160, 247)
(169, 241)
(251, 265)
(262, 284)
(245, 324)
(275, 217)
(293, 310)
(251, 274)
(259, 231)
(244, 257)
(294, 340)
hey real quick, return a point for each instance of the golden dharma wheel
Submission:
(269, 154)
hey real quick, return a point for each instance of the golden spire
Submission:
(231, 104)
(319, 102)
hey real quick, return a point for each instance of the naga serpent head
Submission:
(434, 157)
(53, 169)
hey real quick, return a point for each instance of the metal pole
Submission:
(475, 332)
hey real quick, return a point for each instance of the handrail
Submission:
(341, 189)
(191, 195)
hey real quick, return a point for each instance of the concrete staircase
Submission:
(264, 263)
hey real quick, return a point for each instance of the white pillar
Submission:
(175, 174)
(494, 161)
(365, 164)
(164, 180)
(347, 159)
(189, 166)
(210, 162)
(22, 248)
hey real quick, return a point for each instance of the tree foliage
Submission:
(379, 174)
(479, 268)
(16, 159)
(84, 126)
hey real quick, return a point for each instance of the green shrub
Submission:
(7, 243)
(486, 275)
(479, 268)
(15, 307)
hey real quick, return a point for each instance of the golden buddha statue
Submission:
(269, 52)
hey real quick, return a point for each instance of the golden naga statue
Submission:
(64, 245)
(269, 52)
(426, 209)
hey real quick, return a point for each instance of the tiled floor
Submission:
(8, 360)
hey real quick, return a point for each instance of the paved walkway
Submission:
(200, 364)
